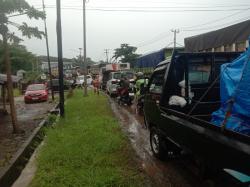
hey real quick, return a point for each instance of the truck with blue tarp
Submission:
(198, 104)
(147, 62)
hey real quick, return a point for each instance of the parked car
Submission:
(36, 92)
(112, 83)
(55, 84)
(181, 95)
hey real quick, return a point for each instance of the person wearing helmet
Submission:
(140, 82)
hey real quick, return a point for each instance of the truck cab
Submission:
(181, 95)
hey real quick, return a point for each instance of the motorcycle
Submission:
(123, 96)
(139, 105)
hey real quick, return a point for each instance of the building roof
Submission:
(3, 78)
(222, 37)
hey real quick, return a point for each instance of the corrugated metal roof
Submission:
(222, 37)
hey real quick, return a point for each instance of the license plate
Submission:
(34, 98)
(131, 94)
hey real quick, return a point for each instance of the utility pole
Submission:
(106, 51)
(48, 56)
(60, 57)
(175, 31)
(80, 59)
(84, 48)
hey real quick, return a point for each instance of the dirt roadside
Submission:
(29, 116)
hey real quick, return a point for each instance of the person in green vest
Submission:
(140, 83)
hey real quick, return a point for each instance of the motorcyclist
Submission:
(124, 85)
(140, 83)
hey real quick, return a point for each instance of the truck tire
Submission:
(157, 144)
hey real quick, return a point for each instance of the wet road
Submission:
(168, 173)
(29, 116)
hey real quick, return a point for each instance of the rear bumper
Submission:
(29, 99)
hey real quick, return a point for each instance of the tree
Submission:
(14, 8)
(78, 61)
(53, 59)
(20, 58)
(126, 54)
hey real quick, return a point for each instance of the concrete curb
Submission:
(10, 173)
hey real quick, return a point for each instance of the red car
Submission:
(36, 92)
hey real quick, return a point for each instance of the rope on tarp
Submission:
(231, 101)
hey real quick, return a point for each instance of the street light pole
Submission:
(48, 56)
(175, 31)
(80, 58)
(84, 48)
(60, 57)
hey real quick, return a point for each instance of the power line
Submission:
(169, 2)
(214, 21)
(152, 7)
(153, 40)
(141, 10)
(153, 11)
(159, 37)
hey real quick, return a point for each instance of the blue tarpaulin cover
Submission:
(151, 60)
(234, 113)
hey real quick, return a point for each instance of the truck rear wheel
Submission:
(157, 144)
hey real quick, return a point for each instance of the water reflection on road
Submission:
(167, 173)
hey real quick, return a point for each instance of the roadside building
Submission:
(232, 38)
(3, 87)
(94, 69)
(67, 66)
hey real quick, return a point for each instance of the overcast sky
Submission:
(145, 24)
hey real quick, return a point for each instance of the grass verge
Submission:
(87, 148)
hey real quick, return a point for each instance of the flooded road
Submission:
(29, 116)
(167, 173)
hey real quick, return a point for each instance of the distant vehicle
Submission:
(117, 67)
(129, 75)
(68, 74)
(89, 80)
(80, 80)
(104, 77)
(36, 92)
(112, 83)
(55, 83)
(105, 72)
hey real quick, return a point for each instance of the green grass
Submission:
(87, 148)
